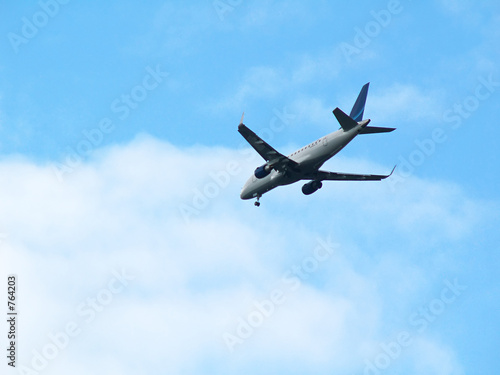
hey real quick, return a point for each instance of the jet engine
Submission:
(311, 187)
(263, 171)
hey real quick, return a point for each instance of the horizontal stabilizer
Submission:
(345, 121)
(375, 129)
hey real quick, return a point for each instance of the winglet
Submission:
(243, 115)
(390, 174)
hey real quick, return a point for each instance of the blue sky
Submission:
(119, 155)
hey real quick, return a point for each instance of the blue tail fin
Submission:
(359, 106)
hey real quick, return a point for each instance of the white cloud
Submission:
(258, 82)
(456, 6)
(479, 22)
(390, 105)
(264, 15)
(314, 111)
(287, 80)
(432, 358)
(174, 29)
(322, 66)
(404, 102)
(194, 279)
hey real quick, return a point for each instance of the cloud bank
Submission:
(114, 278)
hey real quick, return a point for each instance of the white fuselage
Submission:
(310, 158)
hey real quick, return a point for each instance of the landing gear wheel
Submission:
(257, 203)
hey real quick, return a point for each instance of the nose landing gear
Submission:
(257, 203)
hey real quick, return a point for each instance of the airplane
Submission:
(304, 163)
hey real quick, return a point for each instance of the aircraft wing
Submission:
(277, 160)
(324, 175)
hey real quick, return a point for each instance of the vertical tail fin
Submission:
(359, 105)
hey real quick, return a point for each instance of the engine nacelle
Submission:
(311, 187)
(263, 171)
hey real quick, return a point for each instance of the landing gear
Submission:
(257, 203)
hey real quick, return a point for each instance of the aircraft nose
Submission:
(244, 194)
